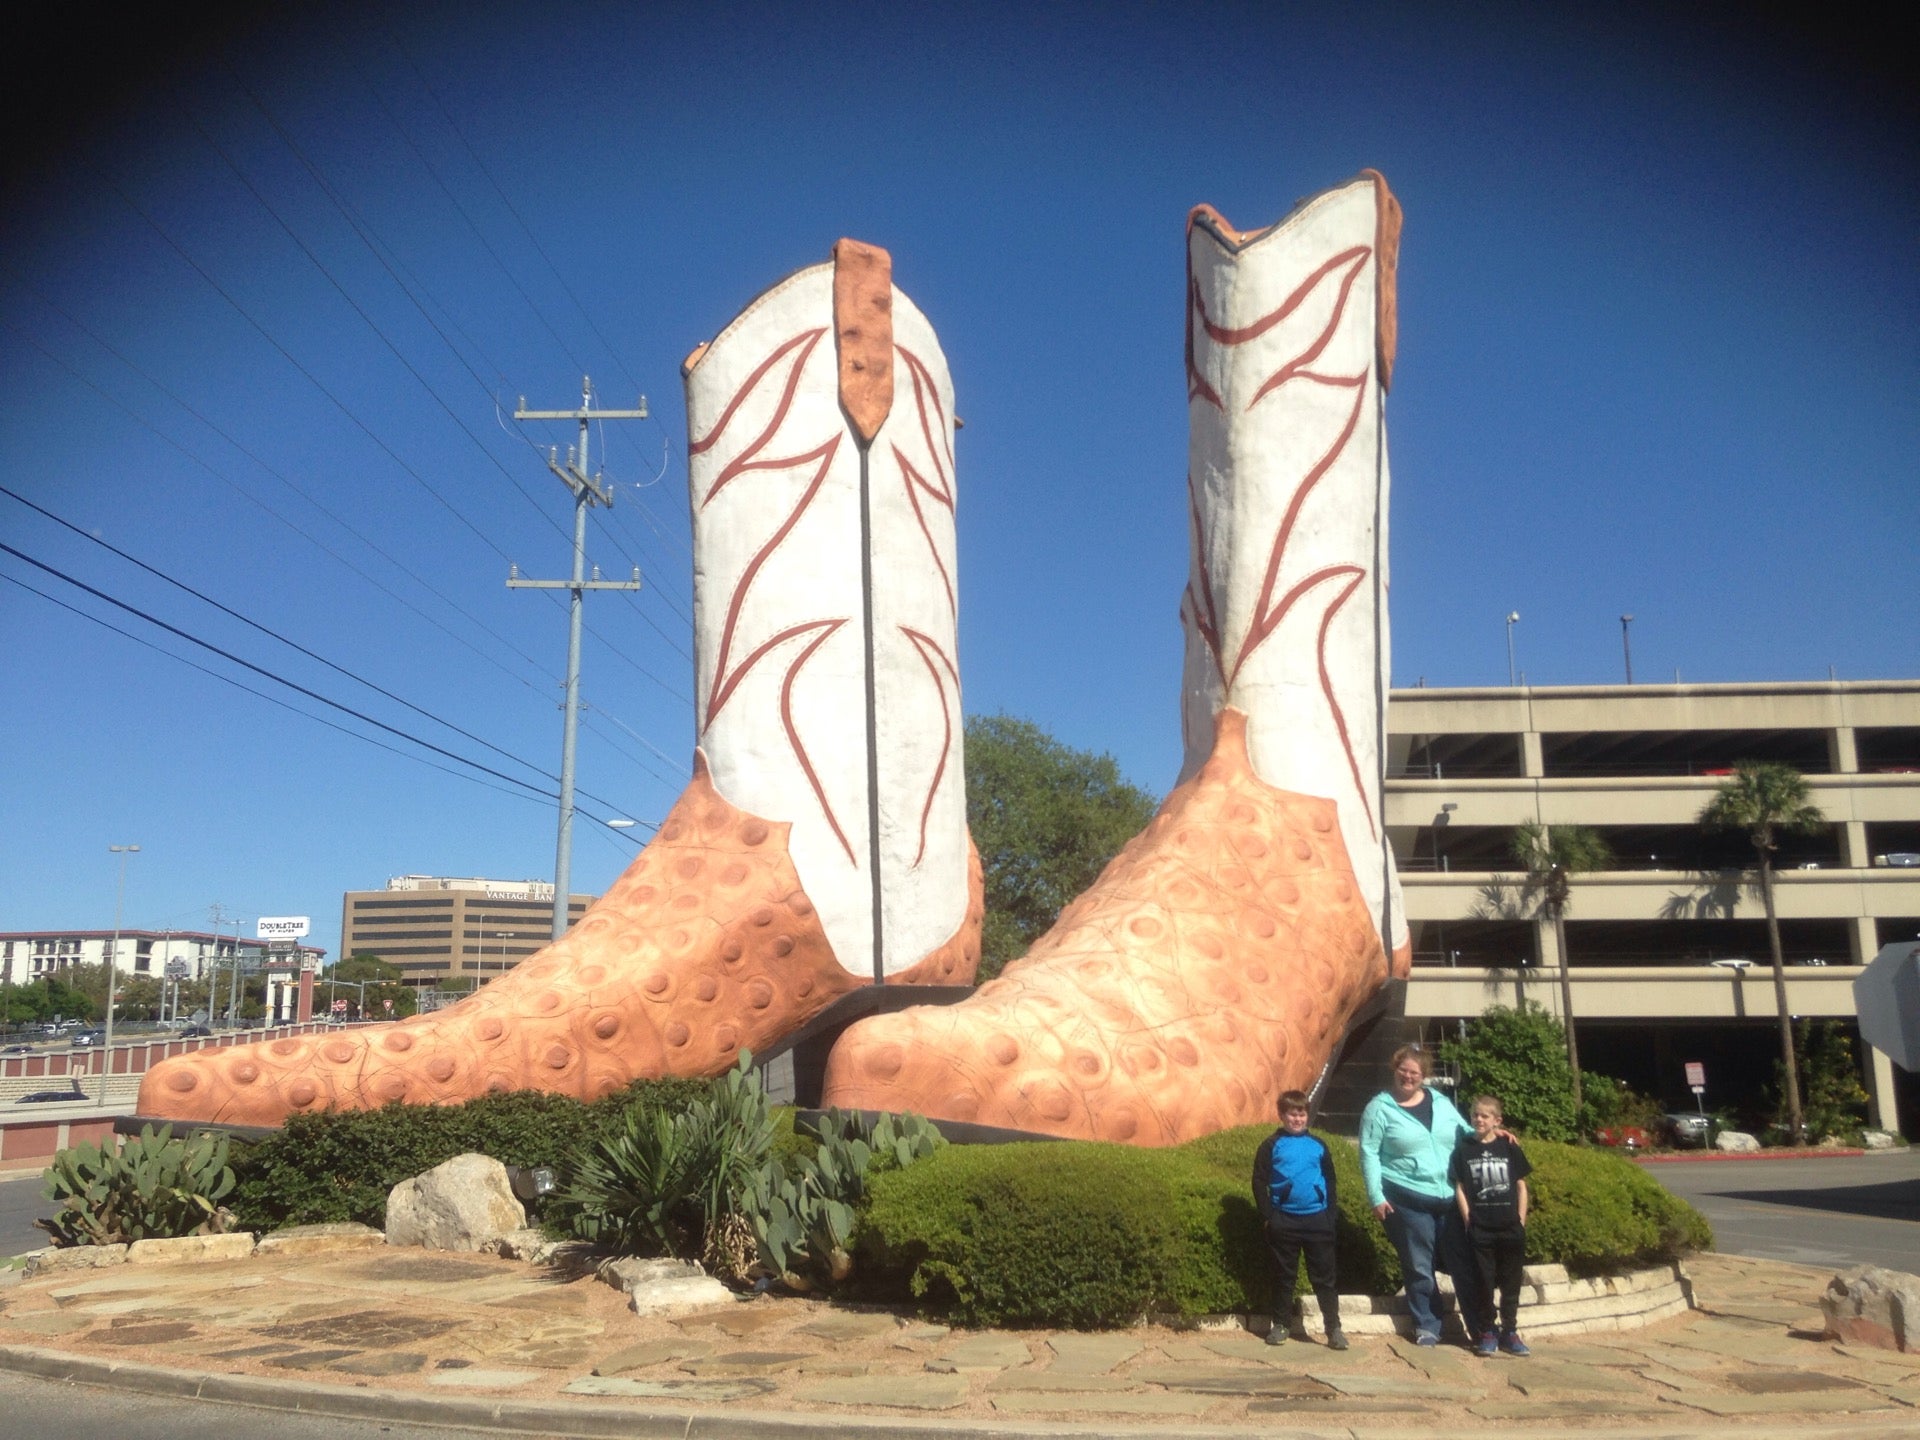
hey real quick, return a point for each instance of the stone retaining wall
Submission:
(1551, 1303)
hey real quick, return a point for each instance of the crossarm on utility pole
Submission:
(577, 474)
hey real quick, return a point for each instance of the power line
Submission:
(540, 797)
(287, 481)
(293, 685)
(341, 290)
(289, 357)
(367, 239)
(273, 634)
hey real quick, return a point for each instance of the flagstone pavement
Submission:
(474, 1339)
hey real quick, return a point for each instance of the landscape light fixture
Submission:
(1626, 645)
(1513, 619)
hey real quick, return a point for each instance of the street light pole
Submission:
(1626, 645)
(1513, 618)
(113, 964)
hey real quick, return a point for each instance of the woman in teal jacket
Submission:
(1407, 1134)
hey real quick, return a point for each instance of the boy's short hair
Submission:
(1293, 1100)
(1492, 1102)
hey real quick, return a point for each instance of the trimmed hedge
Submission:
(1092, 1235)
(340, 1165)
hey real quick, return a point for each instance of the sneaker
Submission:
(1489, 1344)
(1425, 1337)
(1277, 1335)
(1514, 1345)
(1336, 1340)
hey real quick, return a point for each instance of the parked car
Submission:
(45, 1097)
(194, 1032)
(1902, 859)
(1688, 1128)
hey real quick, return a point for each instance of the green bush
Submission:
(1094, 1236)
(1037, 1234)
(1521, 1056)
(151, 1188)
(1596, 1213)
(1832, 1100)
(340, 1165)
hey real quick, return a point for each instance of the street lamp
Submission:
(113, 962)
(1626, 645)
(502, 936)
(1513, 619)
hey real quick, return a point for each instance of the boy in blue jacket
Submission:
(1293, 1186)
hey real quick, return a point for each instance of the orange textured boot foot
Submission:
(1214, 964)
(707, 944)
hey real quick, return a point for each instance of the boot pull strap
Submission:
(863, 334)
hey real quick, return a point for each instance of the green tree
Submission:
(1553, 856)
(1764, 798)
(382, 983)
(1521, 1056)
(1046, 819)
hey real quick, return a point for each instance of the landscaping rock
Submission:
(461, 1205)
(528, 1245)
(655, 1287)
(1877, 1140)
(1871, 1306)
(74, 1257)
(1736, 1142)
(320, 1239)
(188, 1248)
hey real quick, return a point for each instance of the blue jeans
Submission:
(1419, 1236)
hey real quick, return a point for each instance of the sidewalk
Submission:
(471, 1340)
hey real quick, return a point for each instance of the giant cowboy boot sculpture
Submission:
(1218, 959)
(822, 843)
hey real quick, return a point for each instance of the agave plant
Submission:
(153, 1187)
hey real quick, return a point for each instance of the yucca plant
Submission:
(153, 1187)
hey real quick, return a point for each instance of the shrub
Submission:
(1615, 1105)
(1596, 1213)
(1093, 1235)
(152, 1188)
(1521, 1056)
(1832, 1100)
(1076, 1234)
(340, 1165)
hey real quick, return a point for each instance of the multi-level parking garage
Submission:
(1656, 940)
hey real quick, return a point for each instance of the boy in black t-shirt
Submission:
(1489, 1175)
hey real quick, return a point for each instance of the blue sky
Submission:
(1658, 354)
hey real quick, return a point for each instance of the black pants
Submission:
(1499, 1257)
(1289, 1240)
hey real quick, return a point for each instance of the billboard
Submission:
(282, 927)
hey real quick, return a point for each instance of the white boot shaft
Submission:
(1290, 342)
(806, 689)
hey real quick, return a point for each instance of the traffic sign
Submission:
(1887, 999)
(1696, 1075)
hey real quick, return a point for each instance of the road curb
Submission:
(596, 1420)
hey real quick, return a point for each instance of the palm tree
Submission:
(1553, 856)
(1763, 798)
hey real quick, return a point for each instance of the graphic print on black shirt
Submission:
(1490, 1171)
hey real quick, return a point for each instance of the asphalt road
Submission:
(54, 1410)
(20, 1203)
(1839, 1212)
